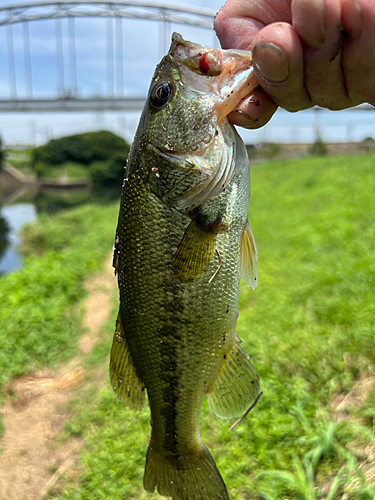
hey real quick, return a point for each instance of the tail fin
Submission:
(193, 477)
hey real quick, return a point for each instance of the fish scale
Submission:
(178, 269)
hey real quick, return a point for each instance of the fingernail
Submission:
(271, 62)
(241, 119)
(351, 16)
(308, 21)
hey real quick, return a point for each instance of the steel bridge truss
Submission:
(67, 96)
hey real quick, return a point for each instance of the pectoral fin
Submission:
(237, 385)
(196, 250)
(249, 257)
(125, 380)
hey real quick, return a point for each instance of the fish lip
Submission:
(233, 89)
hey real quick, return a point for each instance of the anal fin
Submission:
(125, 380)
(236, 387)
(248, 257)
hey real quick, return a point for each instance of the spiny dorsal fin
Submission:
(125, 380)
(236, 386)
(196, 249)
(249, 257)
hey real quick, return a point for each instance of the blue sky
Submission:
(141, 46)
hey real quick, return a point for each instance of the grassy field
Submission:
(41, 297)
(309, 329)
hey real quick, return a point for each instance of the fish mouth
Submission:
(229, 73)
(222, 78)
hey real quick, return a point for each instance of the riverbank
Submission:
(24, 205)
(14, 183)
(51, 313)
(39, 320)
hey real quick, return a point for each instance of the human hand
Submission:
(305, 52)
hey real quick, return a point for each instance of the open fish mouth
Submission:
(229, 72)
(196, 87)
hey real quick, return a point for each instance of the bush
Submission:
(108, 173)
(81, 148)
(268, 150)
(319, 148)
(367, 145)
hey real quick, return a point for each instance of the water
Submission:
(15, 216)
(30, 204)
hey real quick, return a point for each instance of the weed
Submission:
(39, 321)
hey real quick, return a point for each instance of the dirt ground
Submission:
(35, 418)
(341, 406)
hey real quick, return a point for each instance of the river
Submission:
(25, 210)
(15, 216)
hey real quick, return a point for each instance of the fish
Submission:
(182, 242)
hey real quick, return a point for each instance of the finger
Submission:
(279, 68)
(254, 111)
(351, 16)
(237, 23)
(319, 26)
(358, 54)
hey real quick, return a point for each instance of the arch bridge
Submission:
(51, 27)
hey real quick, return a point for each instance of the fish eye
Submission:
(161, 94)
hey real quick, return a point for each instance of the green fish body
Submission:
(182, 242)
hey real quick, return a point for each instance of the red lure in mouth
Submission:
(230, 71)
(204, 64)
(210, 63)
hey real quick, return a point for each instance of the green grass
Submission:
(68, 170)
(39, 319)
(309, 329)
(20, 159)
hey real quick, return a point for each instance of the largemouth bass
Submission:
(182, 241)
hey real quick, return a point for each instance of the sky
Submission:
(142, 50)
